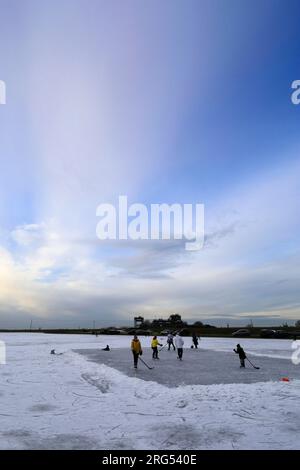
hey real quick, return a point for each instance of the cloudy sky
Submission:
(173, 101)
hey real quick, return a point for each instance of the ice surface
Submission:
(198, 367)
(70, 402)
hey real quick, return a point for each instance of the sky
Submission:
(164, 102)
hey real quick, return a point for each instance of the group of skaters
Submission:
(175, 341)
(178, 339)
(137, 351)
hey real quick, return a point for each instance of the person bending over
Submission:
(242, 355)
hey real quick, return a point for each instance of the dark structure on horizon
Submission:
(174, 321)
(138, 322)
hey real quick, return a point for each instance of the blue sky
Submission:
(165, 102)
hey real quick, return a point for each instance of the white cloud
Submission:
(239, 274)
(28, 234)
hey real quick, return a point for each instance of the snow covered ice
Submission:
(74, 401)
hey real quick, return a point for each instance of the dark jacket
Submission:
(239, 350)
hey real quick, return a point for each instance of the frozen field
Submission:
(73, 401)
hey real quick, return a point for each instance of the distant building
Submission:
(138, 321)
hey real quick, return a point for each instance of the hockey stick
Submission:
(145, 363)
(255, 367)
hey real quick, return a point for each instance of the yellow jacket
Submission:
(136, 346)
(155, 343)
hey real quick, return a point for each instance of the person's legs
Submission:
(180, 352)
(242, 361)
(153, 353)
(169, 345)
(173, 346)
(156, 353)
(135, 359)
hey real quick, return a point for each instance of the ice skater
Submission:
(195, 340)
(170, 341)
(154, 345)
(242, 355)
(179, 345)
(136, 349)
(53, 351)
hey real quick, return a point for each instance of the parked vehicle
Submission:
(282, 334)
(243, 332)
(295, 334)
(164, 332)
(266, 333)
